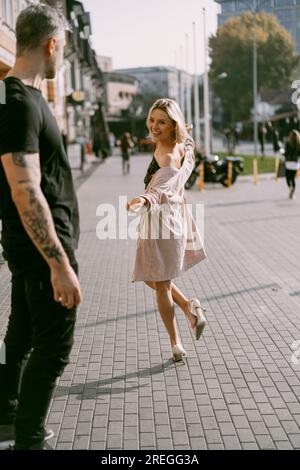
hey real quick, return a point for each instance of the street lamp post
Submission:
(196, 94)
(188, 88)
(221, 76)
(182, 82)
(207, 137)
(255, 78)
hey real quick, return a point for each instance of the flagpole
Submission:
(196, 94)
(188, 85)
(182, 85)
(206, 92)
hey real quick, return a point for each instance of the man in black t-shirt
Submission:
(40, 230)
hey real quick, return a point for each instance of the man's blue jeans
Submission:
(42, 330)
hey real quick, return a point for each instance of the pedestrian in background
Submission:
(262, 131)
(40, 230)
(292, 155)
(161, 258)
(126, 146)
(112, 141)
(275, 140)
(237, 132)
(226, 138)
(229, 135)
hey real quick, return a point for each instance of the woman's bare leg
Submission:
(180, 299)
(166, 309)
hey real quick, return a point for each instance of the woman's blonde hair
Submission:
(294, 138)
(172, 109)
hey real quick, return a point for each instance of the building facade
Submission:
(9, 10)
(105, 63)
(287, 12)
(120, 93)
(84, 83)
(156, 82)
(76, 95)
(161, 82)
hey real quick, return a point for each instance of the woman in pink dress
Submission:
(168, 241)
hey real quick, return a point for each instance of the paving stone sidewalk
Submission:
(240, 386)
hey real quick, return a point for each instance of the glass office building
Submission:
(287, 12)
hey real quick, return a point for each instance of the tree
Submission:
(231, 51)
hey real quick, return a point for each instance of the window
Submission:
(266, 6)
(228, 7)
(68, 75)
(242, 5)
(77, 75)
(283, 3)
(286, 17)
(7, 9)
(224, 18)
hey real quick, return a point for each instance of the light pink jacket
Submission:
(168, 240)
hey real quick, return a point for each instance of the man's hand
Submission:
(136, 204)
(66, 286)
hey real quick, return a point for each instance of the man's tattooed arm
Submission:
(19, 159)
(37, 220)
(24, 176)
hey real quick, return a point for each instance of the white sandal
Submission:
(198, 312)
(178, 352)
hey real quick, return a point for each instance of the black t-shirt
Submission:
(292, 154)
(27, 125)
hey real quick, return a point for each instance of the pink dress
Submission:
(168, 240)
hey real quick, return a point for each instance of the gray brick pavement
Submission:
(239, 388)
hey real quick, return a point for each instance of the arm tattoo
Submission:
(19, 159)
(24, 181)
(53, 252)
(38, 224)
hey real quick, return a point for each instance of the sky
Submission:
(137, 33)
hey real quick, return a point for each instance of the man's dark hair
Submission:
(36, 24)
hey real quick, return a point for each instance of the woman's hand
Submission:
(136, 204)
(188, 133)
(189, 128)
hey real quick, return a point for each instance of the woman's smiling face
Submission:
(161, 127)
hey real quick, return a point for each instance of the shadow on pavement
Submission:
(259, 219)
(295, 294)
(273, 286)
(90, 390)
(109, 320)
(241, 203)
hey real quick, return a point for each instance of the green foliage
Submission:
(231, 51)
(264, 165)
